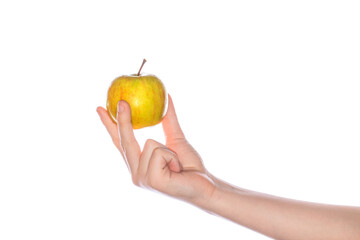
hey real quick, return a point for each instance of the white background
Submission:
(266, 91)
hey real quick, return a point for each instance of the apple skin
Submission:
(145, 94)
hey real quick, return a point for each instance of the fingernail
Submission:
(120, 107)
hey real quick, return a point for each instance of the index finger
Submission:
(110, 127)
(128, 141)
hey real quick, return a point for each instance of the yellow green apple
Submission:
(145, 94)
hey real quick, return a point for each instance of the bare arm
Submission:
(282, 218)
(177, 170)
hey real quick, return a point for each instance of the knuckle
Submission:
(158, 151)
(150, 143)
(149, 183)
(123, 120)
(153, 183)
(136, 181)
(124, 142)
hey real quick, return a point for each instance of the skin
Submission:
(145, 94)
(177, 170)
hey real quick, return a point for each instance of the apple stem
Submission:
(144, 61)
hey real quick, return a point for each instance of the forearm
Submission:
(282, 218)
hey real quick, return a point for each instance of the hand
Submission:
(175, 169)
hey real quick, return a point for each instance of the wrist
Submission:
(211, 194)
(213, 204)
(221, 196)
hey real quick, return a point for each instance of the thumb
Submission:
(170, 123)
(123, 111)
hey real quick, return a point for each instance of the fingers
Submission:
(162, 165)
(154, 149)
(127, 145)
(170, 123)
(110, 126)
(128, 141)
(149, 147)
(162, 158)
(156, 160)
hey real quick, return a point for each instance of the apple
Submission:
(145, 94)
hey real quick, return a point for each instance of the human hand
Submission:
(175, 169)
